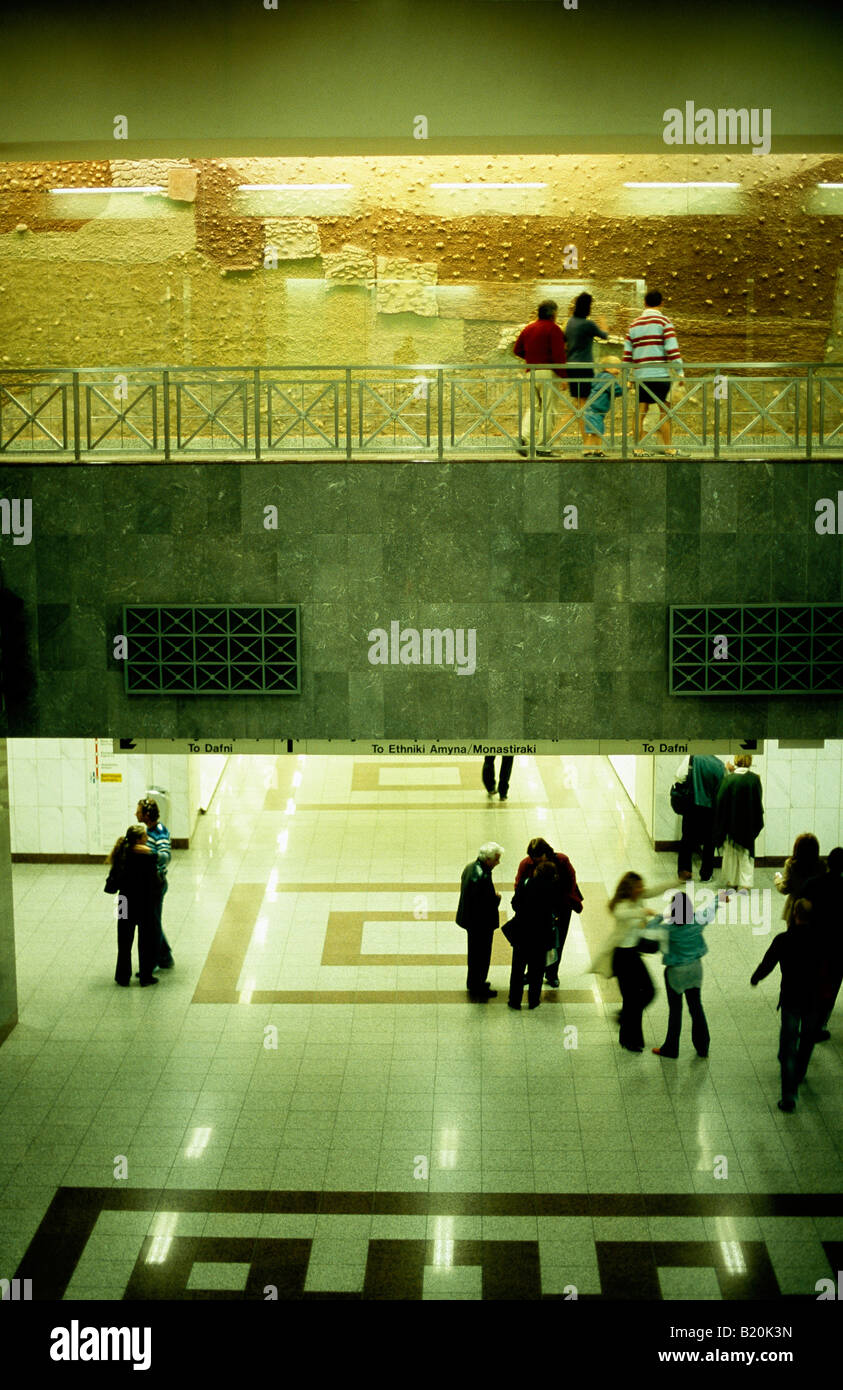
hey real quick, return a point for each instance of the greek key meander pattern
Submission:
(292, 1252)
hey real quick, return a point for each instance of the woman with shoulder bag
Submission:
(568, 899)
(531, 933)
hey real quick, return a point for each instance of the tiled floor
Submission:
(308, 1102)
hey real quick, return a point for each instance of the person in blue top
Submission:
(604, 389)
(683, 948)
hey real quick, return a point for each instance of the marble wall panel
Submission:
(8, 976)
(474, 544)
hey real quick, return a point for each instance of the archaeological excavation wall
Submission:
(390, 260)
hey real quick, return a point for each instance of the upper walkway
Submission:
(729, 410)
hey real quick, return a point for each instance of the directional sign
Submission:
(443, 747)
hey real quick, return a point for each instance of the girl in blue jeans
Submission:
(683, 948)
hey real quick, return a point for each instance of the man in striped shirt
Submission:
(158, 839)
(652, 349)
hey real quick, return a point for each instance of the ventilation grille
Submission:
(757, 649)
(218, 650)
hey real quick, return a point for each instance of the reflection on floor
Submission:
(308, 1107)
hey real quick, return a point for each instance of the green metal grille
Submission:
(222, 649)
(757, 649)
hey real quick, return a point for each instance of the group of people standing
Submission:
(650, 348)
(138, 866)
(546, 894)
(722, 808)
(809, 952)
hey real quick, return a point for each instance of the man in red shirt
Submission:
(543, 342)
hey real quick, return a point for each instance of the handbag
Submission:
(513, 930)
(111, 884)
(682, 796)
(647, 946)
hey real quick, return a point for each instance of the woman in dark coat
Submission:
(534, 901)
(134, 876)
(798, 953)
(738, 821)
(825, 894)
(569, 897)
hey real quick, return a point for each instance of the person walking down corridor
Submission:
(738, 821)
(705, 773)
(477, 914)
(621, 957)
(531, 932)
(540, 343)
(653, 351)
(159, 839)
(503, 781)
(133, 875)
(795, 952)
(825, 894)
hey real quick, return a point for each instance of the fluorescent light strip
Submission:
(149, 188)
(830, 185)
(289, 187)
(488, 185)
(689, 184)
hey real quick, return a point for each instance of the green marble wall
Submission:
(8, 977)
(571, 624)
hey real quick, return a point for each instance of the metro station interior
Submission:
(310, 1099)
(263, 273)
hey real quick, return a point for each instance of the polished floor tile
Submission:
(309, 1101)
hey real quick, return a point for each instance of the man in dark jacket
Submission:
(795, 952)
(477, 914)
(825, 894)
(706, 772)
(540, 343)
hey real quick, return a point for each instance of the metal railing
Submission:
(728, 410)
